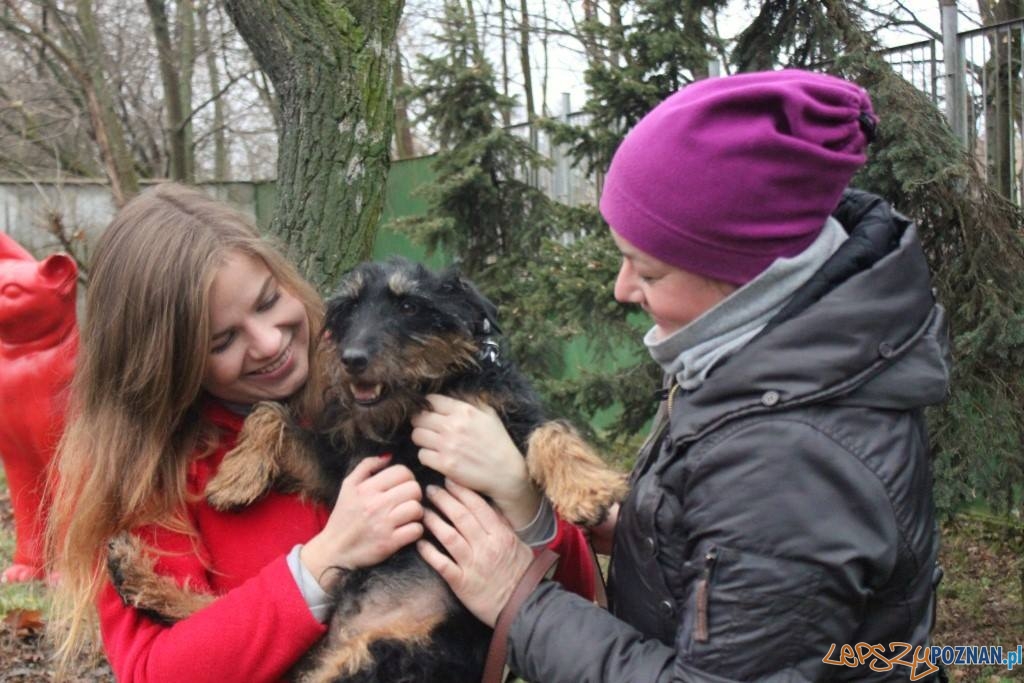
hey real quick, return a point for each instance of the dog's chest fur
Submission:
(520, 415)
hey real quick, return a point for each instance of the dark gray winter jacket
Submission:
(786, 505)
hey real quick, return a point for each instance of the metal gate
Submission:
(977, 81)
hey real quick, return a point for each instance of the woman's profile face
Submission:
(671, 296)
(259, 335)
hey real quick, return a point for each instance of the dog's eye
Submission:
(407, 307)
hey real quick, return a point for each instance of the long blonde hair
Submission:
(133, 419)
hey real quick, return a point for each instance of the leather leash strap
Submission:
(497, 653)
(600, 592)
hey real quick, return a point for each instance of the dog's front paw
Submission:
(133, 573)
(579, 484)
(588, 501)
(242, 479)
(248, 471)
(124, 553)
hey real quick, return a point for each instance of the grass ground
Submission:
(981, 597)
(981, 603)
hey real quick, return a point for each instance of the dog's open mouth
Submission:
(366, 393)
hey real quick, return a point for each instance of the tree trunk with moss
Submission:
(331, 64)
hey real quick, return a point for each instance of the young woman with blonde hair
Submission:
(190, 319)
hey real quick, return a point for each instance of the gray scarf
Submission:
(691, 352)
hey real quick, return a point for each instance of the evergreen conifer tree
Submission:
(541, 262)
(481, 212)
(663, 47)
(972, 236)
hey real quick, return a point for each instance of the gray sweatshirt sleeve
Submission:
(319, 602)
(541, 531)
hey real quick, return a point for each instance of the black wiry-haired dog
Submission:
(394, 333)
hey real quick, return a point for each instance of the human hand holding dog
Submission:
(487, 558)
(377, 512)
(469, 445)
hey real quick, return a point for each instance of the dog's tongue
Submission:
(365, 392)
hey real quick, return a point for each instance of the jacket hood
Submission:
(865, 331)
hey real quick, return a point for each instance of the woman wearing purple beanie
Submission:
(780, 523)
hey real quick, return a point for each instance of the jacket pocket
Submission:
(749, 613)
(703, 589)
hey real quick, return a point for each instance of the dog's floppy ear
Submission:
(488, 322)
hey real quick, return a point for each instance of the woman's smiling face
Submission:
(671, 296)
(259, 335)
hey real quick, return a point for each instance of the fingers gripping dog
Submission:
(394, 333)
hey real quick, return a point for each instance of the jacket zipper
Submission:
(700, 629)
(648, 452)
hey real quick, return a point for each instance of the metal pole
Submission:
(934, 80)
(1009, 141)
(954, 70)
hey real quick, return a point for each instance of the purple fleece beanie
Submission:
(731, 173)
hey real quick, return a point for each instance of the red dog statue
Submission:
(38, 343)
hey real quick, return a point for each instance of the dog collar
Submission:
(490, 350)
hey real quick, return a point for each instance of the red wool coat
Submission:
(260, 625)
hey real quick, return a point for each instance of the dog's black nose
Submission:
(355, 360)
